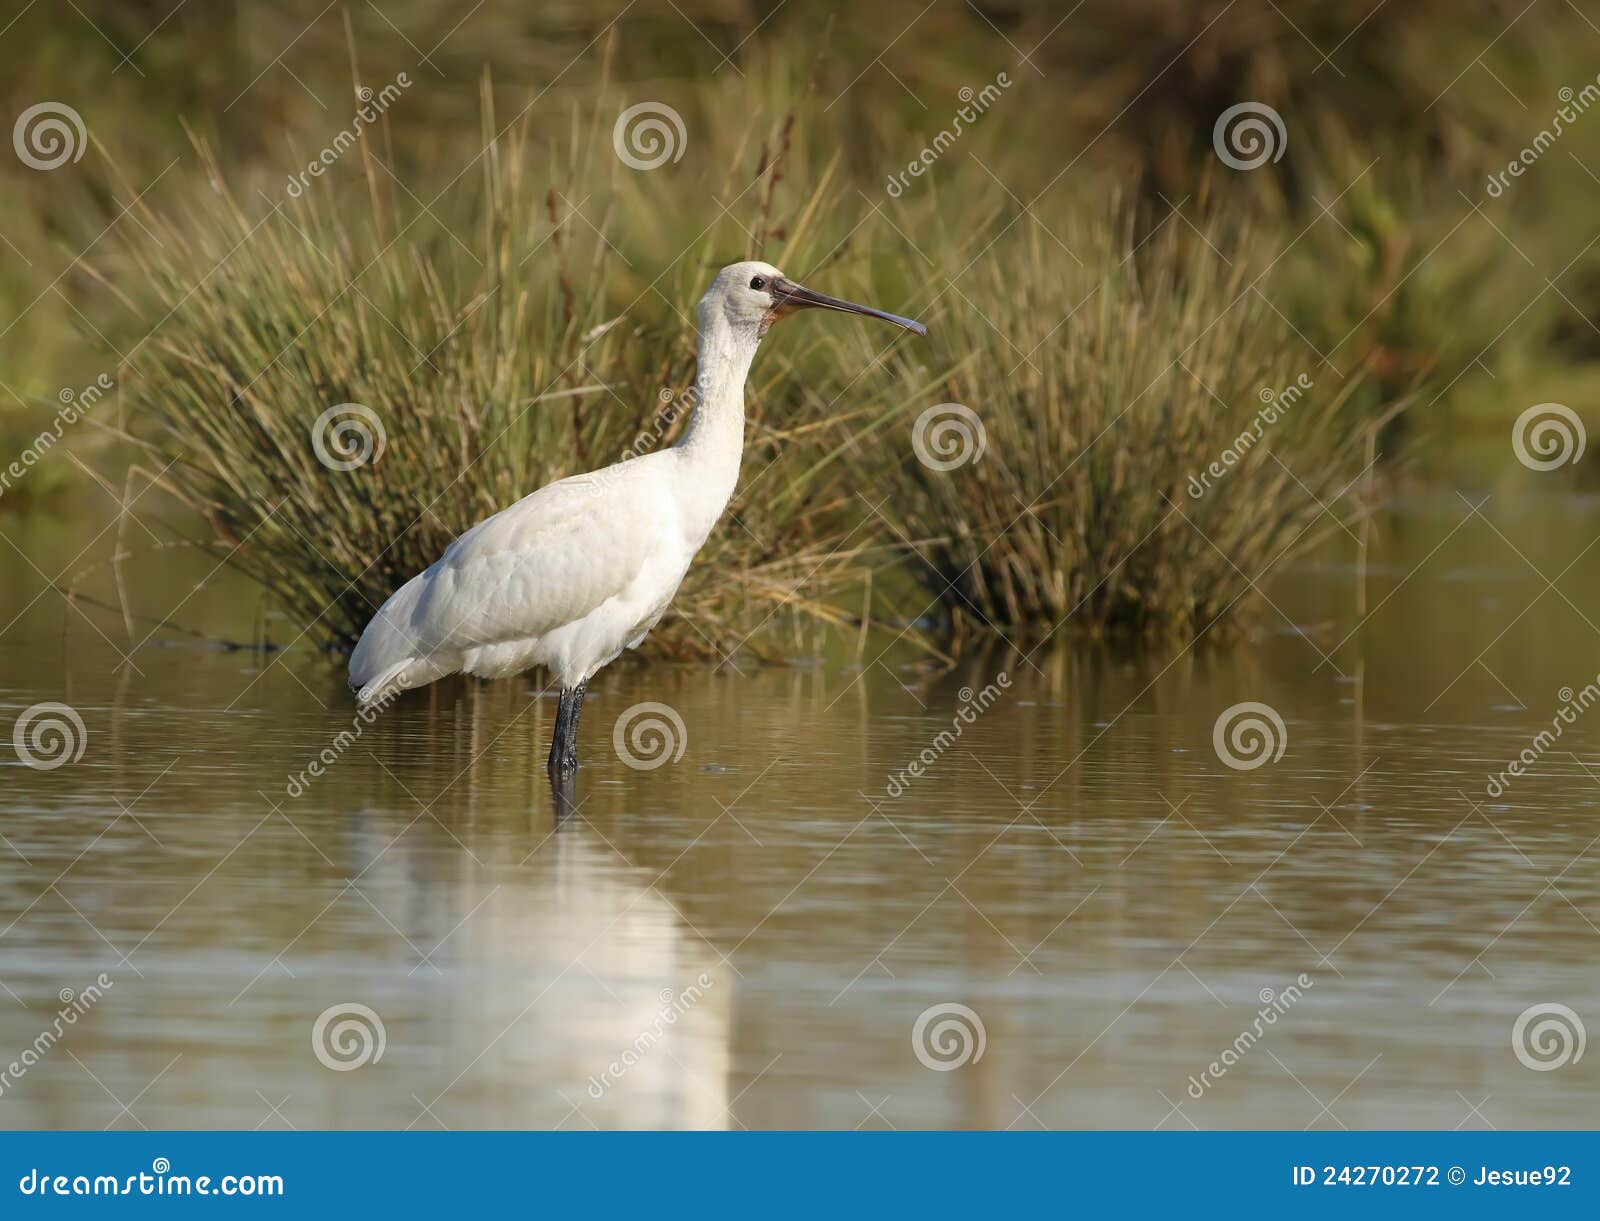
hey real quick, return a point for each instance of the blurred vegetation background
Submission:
(1108, 295)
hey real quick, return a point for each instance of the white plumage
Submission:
(566, 578)
(583, 568)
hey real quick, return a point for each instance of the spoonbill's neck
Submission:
(712, 444)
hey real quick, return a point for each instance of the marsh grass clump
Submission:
(1141, 438)
(344, 384)
(523, 327)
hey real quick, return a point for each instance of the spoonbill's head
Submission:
(754, 295)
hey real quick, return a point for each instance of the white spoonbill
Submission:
(570, 576)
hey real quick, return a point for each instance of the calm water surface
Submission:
(748, 936)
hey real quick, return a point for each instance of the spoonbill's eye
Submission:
(758, 282)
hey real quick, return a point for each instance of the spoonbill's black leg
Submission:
(564, 798)
(564, 742)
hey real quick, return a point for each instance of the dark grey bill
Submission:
(789, 296)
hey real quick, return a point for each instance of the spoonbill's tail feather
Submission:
(391, 656)
(389, 682)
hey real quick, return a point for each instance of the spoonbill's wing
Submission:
(549, 560)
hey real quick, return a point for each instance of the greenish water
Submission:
(751, 933)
